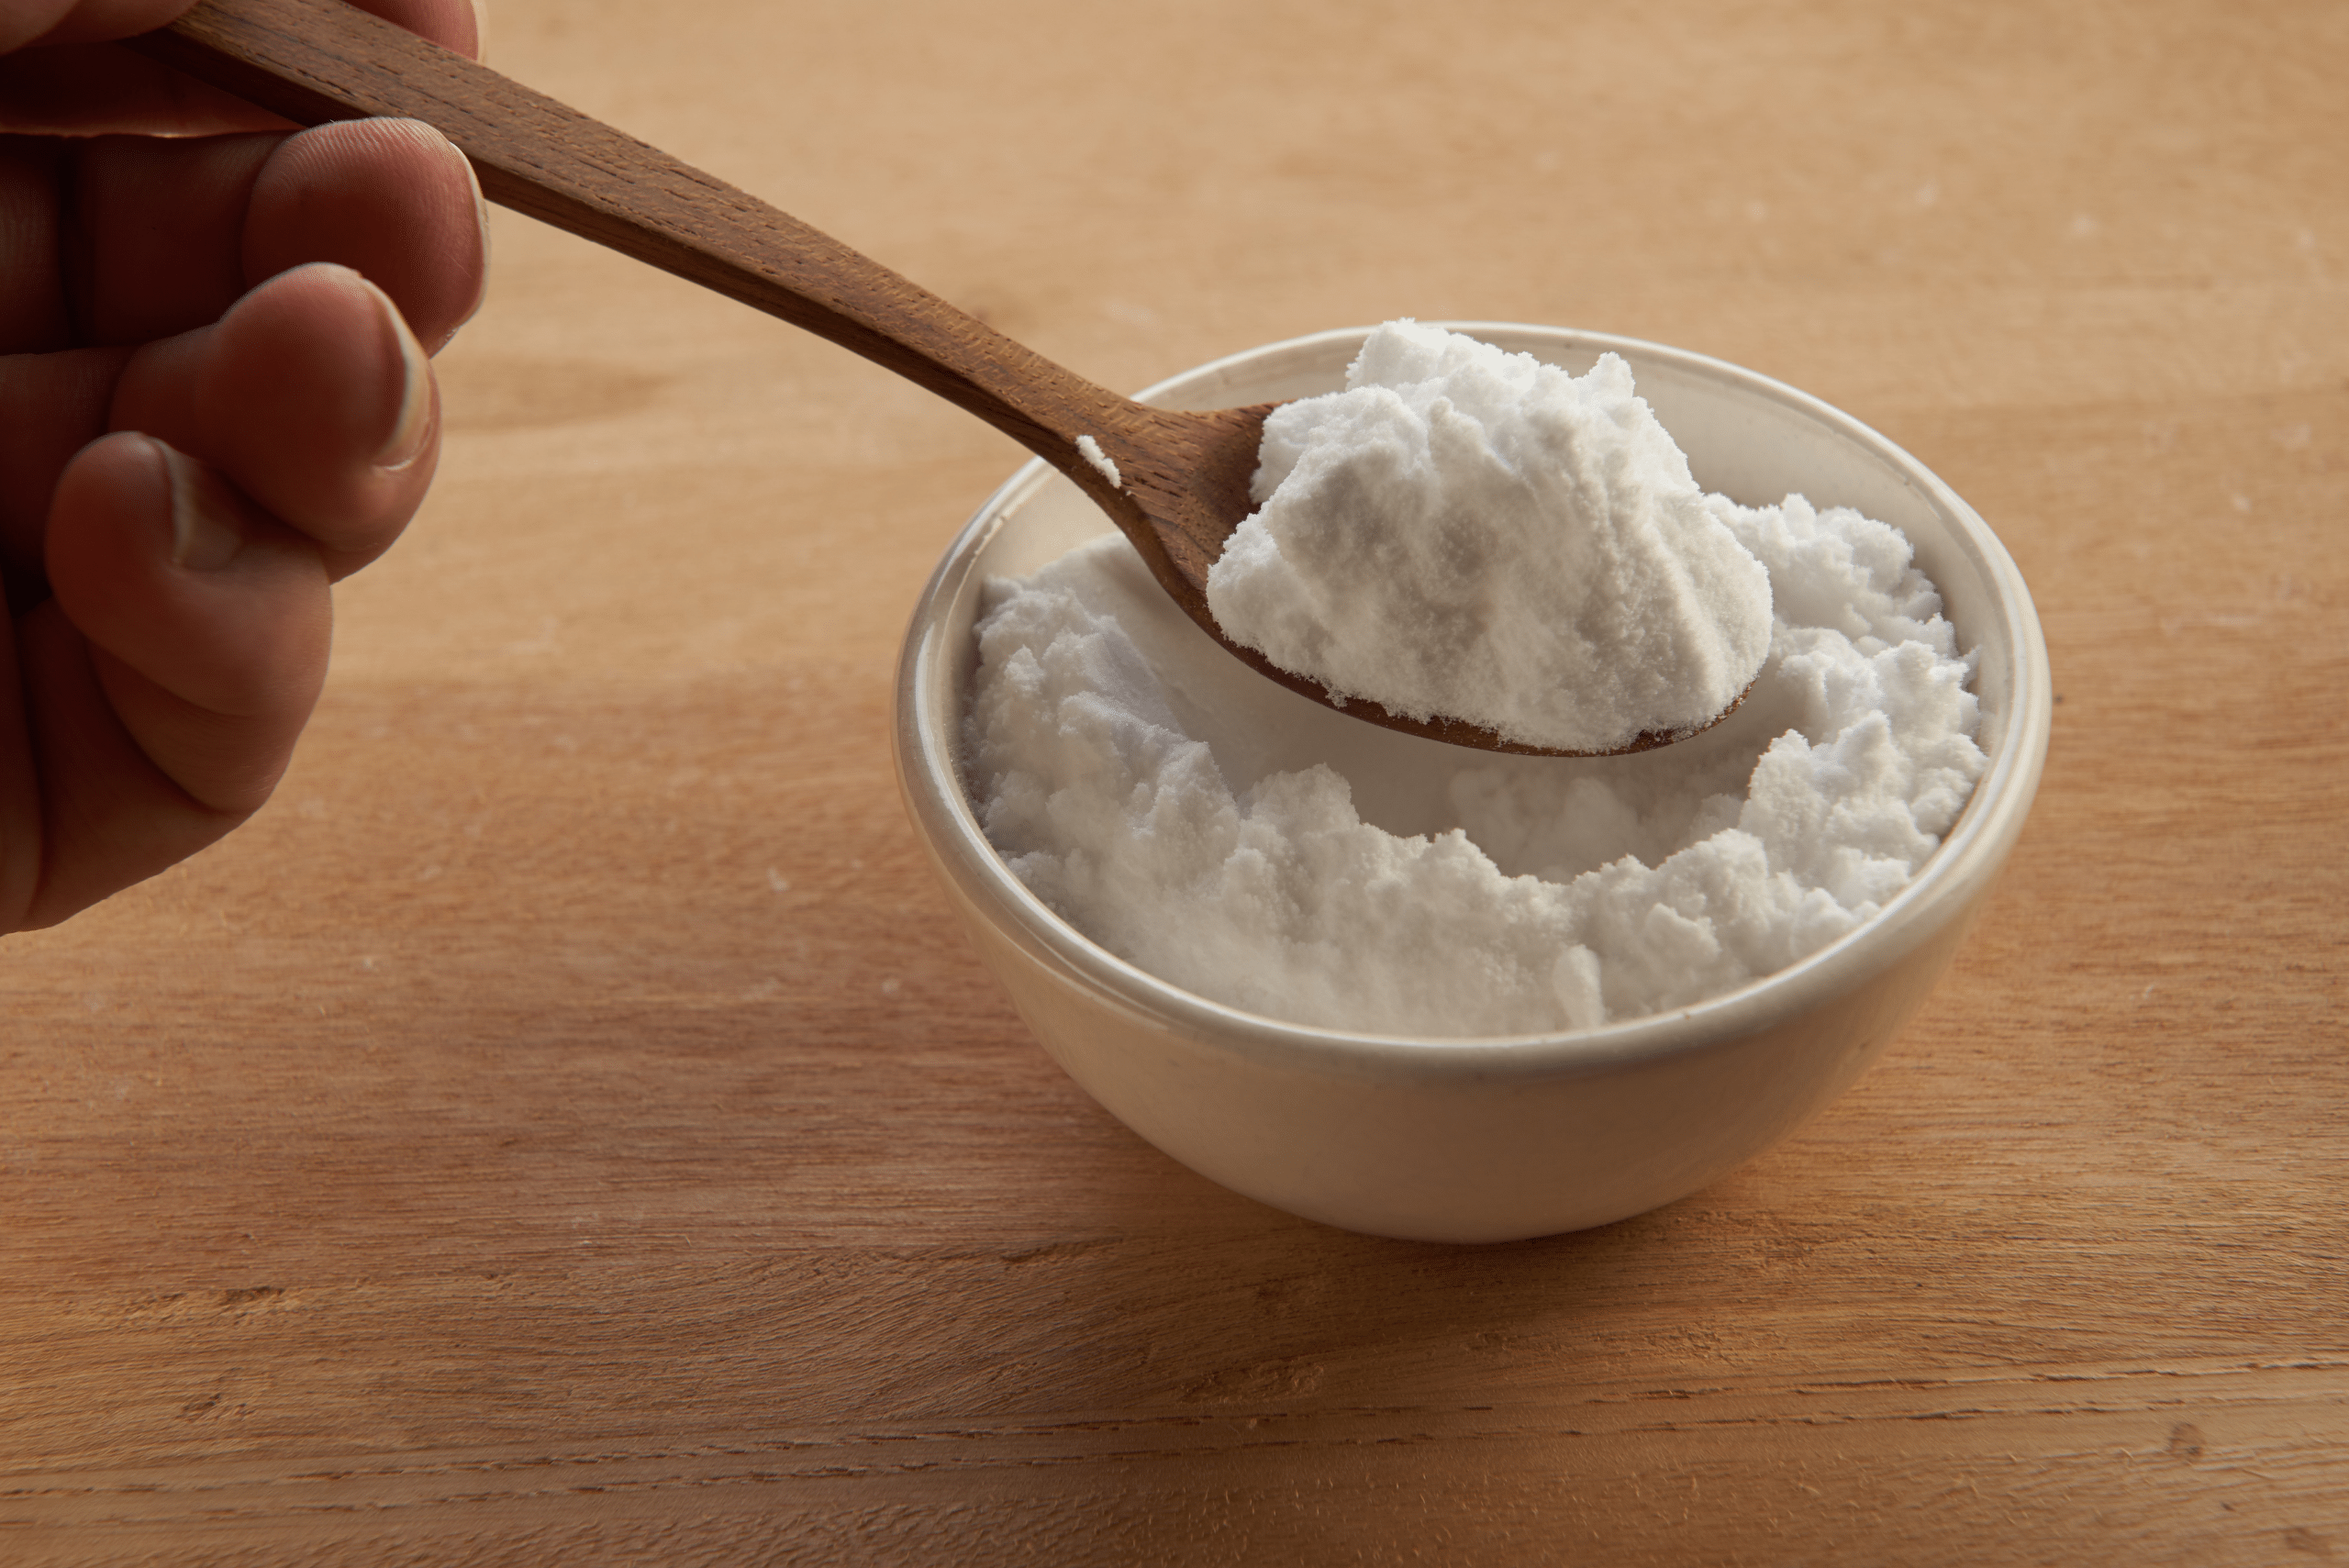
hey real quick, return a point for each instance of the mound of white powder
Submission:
(1198, 820)
(1467, 533)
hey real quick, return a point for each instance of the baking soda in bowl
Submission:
(1265, 852)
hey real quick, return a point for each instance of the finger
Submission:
(70, 85)
(451, 23)
(57, 405)
(33, 315)
(87, 86)
(20, 815)
(89, 89)
(169, 232)
(155, 232)
(211, 618)
(75, 21)
(167, 680)
(461, 25)
(312, 397)
(389, 198)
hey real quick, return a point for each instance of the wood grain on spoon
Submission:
(1183, 475)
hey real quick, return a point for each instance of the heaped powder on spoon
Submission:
(1472, 534)
(1266, 853)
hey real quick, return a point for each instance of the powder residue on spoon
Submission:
(1264, 852)
(1472, 534)
(1090, 450)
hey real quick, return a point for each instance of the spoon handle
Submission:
(313, 60)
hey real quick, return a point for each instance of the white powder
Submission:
(1103, 463)
(1184, 813)
(1468, 533)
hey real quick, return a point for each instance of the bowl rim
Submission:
(1945, 887)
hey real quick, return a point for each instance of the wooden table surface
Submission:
(568, 1120)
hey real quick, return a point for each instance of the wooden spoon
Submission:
(1182, 478)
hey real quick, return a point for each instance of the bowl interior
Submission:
(1747, 437)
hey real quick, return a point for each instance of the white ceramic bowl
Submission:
(1490, 1140)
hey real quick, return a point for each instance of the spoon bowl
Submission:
(1175, 482)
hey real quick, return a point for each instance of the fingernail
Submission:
(481, 216)
(414, 426)
(427, 136)
(203, 537)
(481, 30)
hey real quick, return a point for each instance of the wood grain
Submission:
(567, 1122)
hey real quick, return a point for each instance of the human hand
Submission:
(216, 400)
